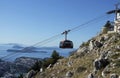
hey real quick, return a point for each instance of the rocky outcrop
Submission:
(14, 69)
(94, 44)
(97, 58)
(26, 61)
(4, 67)
(69, 74)
(100, 63)
(91, 75)
(114, 76)
(83, 49)
(30, 74)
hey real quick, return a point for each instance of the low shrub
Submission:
(46, 62)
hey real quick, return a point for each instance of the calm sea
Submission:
(11, 56)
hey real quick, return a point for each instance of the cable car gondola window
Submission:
(66, 44)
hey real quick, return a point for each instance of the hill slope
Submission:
(99, 58)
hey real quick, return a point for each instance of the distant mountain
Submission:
(12, 44)
(17, 46)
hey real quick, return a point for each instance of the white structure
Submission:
(117, 19)
(117, 23)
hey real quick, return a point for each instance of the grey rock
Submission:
(69, 74)
(98, 44)
(41, 70)
(105, 71)
(49, 66)
(118, 47)
(100, 63)
(114, 76)
(103, 55)
(91, 44)
(95, 44)
(83, 50)
(30, 74)
(69, 63)
(106, 37)
(90, 76)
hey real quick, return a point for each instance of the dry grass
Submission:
(83, 65)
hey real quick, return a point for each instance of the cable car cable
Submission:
(42, 42)
(59, 34)
(88, 22)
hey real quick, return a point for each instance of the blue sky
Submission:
(31, 21)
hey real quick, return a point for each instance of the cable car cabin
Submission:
(66, 44)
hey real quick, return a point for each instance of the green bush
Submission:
(108, 24)
(107, 27)
(46, 62)
(54, 57)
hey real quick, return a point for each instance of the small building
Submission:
(117, 19)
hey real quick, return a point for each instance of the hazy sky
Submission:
(30, 21)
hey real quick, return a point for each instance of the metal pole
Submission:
(66, 32)
(116, 12)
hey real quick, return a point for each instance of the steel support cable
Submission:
(15, 53)
(41, 42)
(87, 24)
(77, 27)
(53, 37)
(8, 55)
(11, 56)
(46, 40)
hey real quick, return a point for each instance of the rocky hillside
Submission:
(99, 57)
(20, 66)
